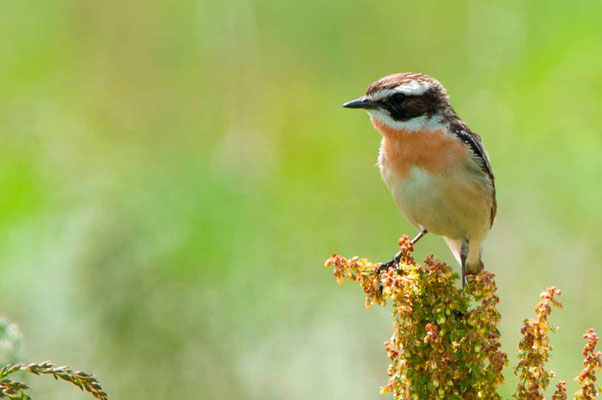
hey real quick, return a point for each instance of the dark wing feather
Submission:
(474, 143)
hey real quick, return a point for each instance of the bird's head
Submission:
(406, 101)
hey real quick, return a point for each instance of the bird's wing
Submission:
(479, 155)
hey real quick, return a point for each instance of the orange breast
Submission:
(431, 150)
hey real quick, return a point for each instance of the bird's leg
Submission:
(395, 260)
(463, 257)
(419, 236)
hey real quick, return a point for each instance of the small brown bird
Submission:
(435, 167)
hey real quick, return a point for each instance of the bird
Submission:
(435, 167)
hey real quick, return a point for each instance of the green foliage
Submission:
(11, 343)
(445, 343)
(16, 390)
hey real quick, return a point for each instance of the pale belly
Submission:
(455, 204)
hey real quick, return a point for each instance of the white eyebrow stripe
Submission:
(412, 88)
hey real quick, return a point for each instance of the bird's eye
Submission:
(397, 98)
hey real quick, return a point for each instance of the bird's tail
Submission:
(474, 264)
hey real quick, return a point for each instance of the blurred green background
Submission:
(174, 174)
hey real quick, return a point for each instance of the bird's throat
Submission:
(432, 150)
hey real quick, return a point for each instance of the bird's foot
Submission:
(394, 262)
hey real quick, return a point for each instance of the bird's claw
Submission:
(385, 266)
(394, 262)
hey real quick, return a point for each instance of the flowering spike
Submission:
(535, 348)
(592, 363)
(560, 393)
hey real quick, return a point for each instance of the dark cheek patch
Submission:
(415, 107)
(397, 112)
(410, 107)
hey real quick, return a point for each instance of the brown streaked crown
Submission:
(394, 80)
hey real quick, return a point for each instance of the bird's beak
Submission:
(362, 102)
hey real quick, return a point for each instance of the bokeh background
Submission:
(173, 175)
